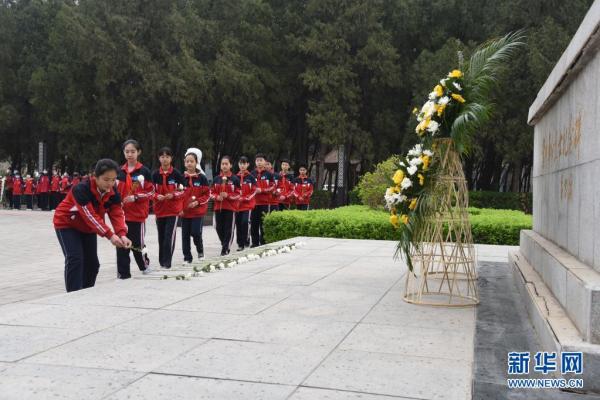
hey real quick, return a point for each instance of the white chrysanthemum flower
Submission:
(221, 265)
(443, 82)
(412, 169)
(212, 267)
(406, 183)
(433, 127)
(242, 260)
(456, 85)
(428, 153)
(402, 164)
(416, 151)
(428, 109)
(432, 95)
(444, 100)
(416, 161)
(231, 264)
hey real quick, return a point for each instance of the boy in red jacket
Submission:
(136, 189)
(54, 190)
(225, 191)
(195, 204)
(65, 186)
(303, 189)
(17, 191)
(265, 185)
(246, 203)
(43, 188)
(285, 186)
(168, 197)
(29, 191)
(80, 217)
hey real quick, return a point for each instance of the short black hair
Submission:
(104, 165)
(134, 142)
(285, 160)
(228, 158)
(243, 159)
(260, 155)
(165, 151)
(302, 165)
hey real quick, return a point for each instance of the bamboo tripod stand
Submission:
(444, 262)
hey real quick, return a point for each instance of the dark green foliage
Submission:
(502, 200)
(360, 222)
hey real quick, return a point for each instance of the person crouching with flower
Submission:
(136, 189)
(195, 204)
(168, 196)
(80, 217)
(226, 193)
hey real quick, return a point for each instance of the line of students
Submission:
(47, 192)
(124, 192)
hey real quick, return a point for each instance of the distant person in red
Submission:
(265, 185)
(245, 205)
(76, 179)
(136, 190)
(43, 190)
(17, 190)
(29, 191)
(303, 189)
(226, 193)
(65, 186)
(54, 190)
(80, 217)
(273, 198)
(285, 186)
(168, 203)
(195, 205)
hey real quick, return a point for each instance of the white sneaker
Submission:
(200, 256)
(186, 263)
(148, 270)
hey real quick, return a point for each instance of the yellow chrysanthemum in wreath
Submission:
(413, 204)
(394, 220)
(455, 74)
(426, 160)
(404, 219)
(458, 98)
(438, 90)
(398, 176)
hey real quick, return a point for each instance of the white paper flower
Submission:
(428, 153)
(212, 267)
(444, 100)
(402, 164)
(180, 187)
(416, 151)
(456, 85)
(428, 108)
(231, 264)
(406, 183)
(189, 275)
(221, 265)
(140, 179)
(242, 260)
(443, 82)
(411, 170)
(433, 127)
(416, 161)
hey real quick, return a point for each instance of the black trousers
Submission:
(167, 233)
(17, 201)
(42, 200)
(224, 223)
(81, 258)
(29, 201)
(54, 200)
(283, 206)
(135, 232)
(9, 199)
(191, 228)
(302, 207)
(242, 223)
(256, 221)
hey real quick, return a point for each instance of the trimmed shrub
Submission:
(501, 200)
(320, 199)
(361, 222)
(372, 185)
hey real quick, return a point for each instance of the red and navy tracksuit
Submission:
(285, 190)
(245, 206)
(197, 190)
(29, 192)
(274, 199)
(225, 209)
(43, 187)
(136, 183)
(65, 186)
(266, 183)
(303, 190)
(17, 192)
(77, 221)
(167, 211)
(54, 191)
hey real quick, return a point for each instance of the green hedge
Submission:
(361, 222)
(501, 200)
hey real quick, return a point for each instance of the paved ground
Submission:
(324, 322)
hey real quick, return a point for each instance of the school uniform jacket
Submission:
(137, 183)
(166, 182)
(285, 188)
(229, 184)
(55, 184)
(17, 186)
(43, 184)
(65, 185)
(84, 209)
(303, 190)
(29, 186)
(265, 182)
(248, 191)
(196, 189)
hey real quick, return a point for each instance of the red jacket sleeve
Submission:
(117, 219)
(93, 220)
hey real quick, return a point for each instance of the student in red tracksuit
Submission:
(303, 189)
(76, 179)
(54, 190)
(245, 204)
(225, 191)
(17, 191)
(168, 197)
(80, 217)
(65, 186)
(29, 191)
(43, 188)
(274, 198)
(265, 185)
(285, 186)
(136, 189)
(195, 204)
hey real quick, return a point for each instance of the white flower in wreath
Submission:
(399, 198)
(444, 100)
(412, 169)
(406, 183)
(443, 82)
(433, 127)
(457, 85)
(428, 109)
(428, 153)
(416, 161)
(402, 164)
(242, 260)
(416, 151)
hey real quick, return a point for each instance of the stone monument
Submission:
(557, 267)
